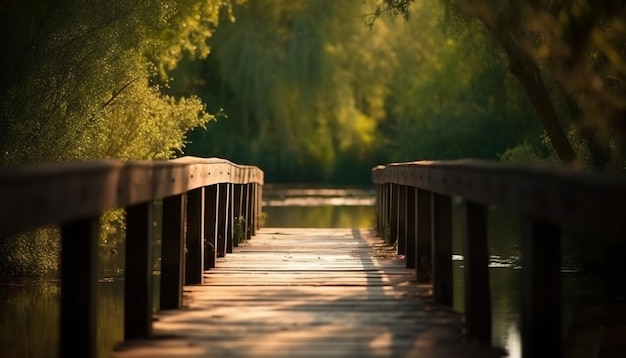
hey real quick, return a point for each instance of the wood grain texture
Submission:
(308, 293)
(60, 193)
(588, 202)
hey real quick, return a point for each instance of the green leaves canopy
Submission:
(75, 77)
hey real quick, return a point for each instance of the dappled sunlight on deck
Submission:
(309, 293)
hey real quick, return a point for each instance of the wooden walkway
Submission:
(308, 293)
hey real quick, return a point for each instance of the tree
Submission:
(71, 71)
(301, 90)
(83, 80)
(568, 55)
(442, 103)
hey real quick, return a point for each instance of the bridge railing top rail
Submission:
(583, 201)
(56, 193)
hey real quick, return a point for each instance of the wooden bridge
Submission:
(297, 292)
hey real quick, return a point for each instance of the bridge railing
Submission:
(414, 206)
(201, 198)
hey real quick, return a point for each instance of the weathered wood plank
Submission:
(592, 203)
(60, 193)
(314, 292)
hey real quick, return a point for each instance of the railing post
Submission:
(237, 210)
(211, 216)
(194, 237)
(393, 220)
(230, 219)
(378, 209)
(252, 208)
(541, 289)
(442, 249)
(221, 213)
(248, 210)
(402, 219)
(79, 241)
(424, 237)
(476, 274)
(172, 252)
(386, 211)
(138, 271)
(259, 204)
(411, 226)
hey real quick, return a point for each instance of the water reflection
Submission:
(293, 206)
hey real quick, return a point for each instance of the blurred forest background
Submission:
(312, 91)
(315, 91)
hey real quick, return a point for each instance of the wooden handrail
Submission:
(201, 199)
(58, 193)
(413, 206)
(583, 201)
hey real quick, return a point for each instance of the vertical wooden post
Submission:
(402, 219)
(424, 237)
(442, 249)
(248, 210)
(230, 218)
(411, 226)
(476, 274)
(378, 209)
(238, 211)
(172, 252)
(541, 289)
(221, 213)
(386, 209)
(211, 216)
(138, 272)
(79, 241)
(259, 204)
(253, 209)
(393, 220)
(194, 237)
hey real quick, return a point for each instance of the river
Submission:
(29, 311)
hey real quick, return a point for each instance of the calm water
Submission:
(29, 312)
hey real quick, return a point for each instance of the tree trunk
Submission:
(528, 73)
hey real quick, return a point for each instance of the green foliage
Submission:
(311, 94)
(240, 230)
(262, 218)
(386, 235)
(32, 254)
(569, 56)
(456, 101)
(300, 91)
(75, 78)
(84, 80)
(524, 152)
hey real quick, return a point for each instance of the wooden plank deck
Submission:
(308, 293)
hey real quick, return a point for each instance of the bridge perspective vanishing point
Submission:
(307, 292)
